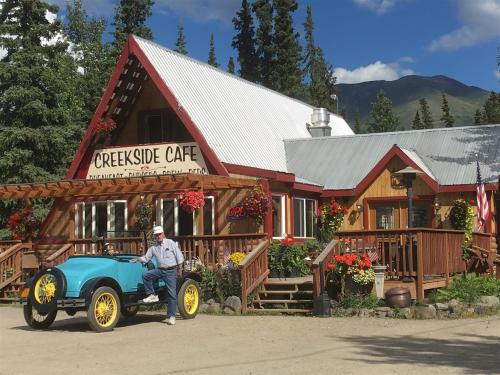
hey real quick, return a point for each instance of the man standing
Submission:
(169, 258)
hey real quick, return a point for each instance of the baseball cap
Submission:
(157, 230)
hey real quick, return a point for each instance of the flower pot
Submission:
(275, 274)
(351, 287)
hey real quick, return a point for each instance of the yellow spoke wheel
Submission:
(45, 288)
(104, 310)
(188, 299)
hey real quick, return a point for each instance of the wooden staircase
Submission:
(291, 295)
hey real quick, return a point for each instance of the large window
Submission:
(163, 126)
(303, 217)
(177, 222)
(279, 229)
(385, 217)
(107, 218)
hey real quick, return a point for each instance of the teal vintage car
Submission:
(106, 287)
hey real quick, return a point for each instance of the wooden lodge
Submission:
(184, 125)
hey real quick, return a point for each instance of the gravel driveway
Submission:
(251, 345)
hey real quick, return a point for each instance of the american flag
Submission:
(373, 254)
(483, 209)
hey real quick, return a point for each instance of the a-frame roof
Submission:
(234, 121)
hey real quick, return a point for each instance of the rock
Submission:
(349, 311)
(407, 312)
(211, 301)
(424, 312)
(233, 303)
(455, 306)
(214, 308)
(229, 311)
(383, 309)
(203, 308)
(366, 313)
(390, 313)
(381, 314)
(441, 306)
(490, 301)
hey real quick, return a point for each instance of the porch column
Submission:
(268, 220)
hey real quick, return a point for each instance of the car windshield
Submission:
(115, 243)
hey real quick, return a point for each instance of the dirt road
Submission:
(250, 345)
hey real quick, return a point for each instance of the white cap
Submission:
(157, 230)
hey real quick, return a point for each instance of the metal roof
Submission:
(244, 123)
(448, 154)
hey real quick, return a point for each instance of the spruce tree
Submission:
(343, 113)
(288, 74)
(230, 65)
(39, 100)
(244, 43)
(491, 109)
(212, 59)
(91, 55)
(357, 124)
(321, 87)
(264, 41)
(417, 123)
(447, 118)
(478, 117)
(427, 121)
(180, 43)
(383, 118)
(130, 18)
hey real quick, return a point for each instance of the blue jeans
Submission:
(170, 278)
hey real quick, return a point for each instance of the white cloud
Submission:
(378, 6)
(203, 10)
(481, 22)
(373, 72)
(497, 73)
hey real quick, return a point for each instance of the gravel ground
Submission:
(250, 345)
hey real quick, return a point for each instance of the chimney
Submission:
(320, 120)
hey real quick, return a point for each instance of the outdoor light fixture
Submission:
(437, 205)
(359, 207)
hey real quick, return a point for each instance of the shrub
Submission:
(469, 289)
(356, 301)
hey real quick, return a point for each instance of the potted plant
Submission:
(352, 274)
(275, 260)
(294, 261)
(23, 224)
(330, 219)
(191, 200)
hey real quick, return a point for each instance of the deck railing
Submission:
(11, 264)
(319, 267)
(6, 244)
(60, 255)
(254, 271)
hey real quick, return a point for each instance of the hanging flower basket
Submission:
(24, 225)
(103, 126)
(330, 219)
(191, 200)
(256, 205)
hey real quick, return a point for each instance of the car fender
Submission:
(91, 285)
(188, 275)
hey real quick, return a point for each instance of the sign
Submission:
(147, 160)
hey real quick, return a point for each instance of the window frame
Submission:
(282, 215)
(81, 226)
(304, 212)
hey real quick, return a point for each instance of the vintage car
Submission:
(106, 287)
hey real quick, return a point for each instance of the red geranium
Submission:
(191, 200)
(105, 125)
(23, 224)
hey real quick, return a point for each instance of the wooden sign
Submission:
(147, 160)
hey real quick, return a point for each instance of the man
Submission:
(169, 258)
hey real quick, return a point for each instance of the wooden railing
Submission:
(60, 255)
(318, 267)
(254, 271)
(11, 263)
(482, 240)
(209, 249)
(6, 244)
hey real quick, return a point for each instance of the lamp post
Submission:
(336, 98)
(409, 174)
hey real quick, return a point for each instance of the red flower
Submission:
(190, 201)
(471, 202)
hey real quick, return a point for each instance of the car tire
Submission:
(103, 311)
(36, 319)
(188, 299)
(130, 311)
(48, 286)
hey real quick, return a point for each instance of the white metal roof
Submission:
(244, 123)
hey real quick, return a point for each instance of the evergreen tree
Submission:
(230, 65)
(39, 101)
(288, 75)
(417, 123)
(180, 43)
(91, 55)
(265, 42)
(491, 111)
(212, 59)
(427, 120)
(357, 124)
(130, 18)
(478, 117)
(343, 113)
(321, 87)
(244, 43)
(447, 118)
(383, 118)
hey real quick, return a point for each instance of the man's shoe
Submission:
(170, 321)
(150, 299)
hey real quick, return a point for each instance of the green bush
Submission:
(356, 301)
(220, 283)
(469, 289)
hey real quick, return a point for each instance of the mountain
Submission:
(405, 94)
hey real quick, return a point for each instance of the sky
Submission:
(364, 40)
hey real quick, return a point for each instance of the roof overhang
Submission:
(131, 185)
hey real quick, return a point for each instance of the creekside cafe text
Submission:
(158, 159)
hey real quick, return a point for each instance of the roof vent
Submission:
(320, 120)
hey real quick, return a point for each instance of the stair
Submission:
(292, 295)
(12, 293)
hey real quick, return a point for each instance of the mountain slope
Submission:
(405, 94)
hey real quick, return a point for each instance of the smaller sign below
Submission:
(147, 160)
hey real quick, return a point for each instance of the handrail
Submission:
(318, 267)
(60, 255)
(11, 262)
(254, 270)
(6, 244)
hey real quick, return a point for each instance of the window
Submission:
(303, 217)
(419, 218)
(385, 217)
(177, 222)
(278, 206)
(108, 218)
(163, 126)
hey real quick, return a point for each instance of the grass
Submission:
(467, 289)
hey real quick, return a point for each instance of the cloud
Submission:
(373, 72)
(378, 6)
(481, 22)
(203, 10)
(497, 73)
(96, 8)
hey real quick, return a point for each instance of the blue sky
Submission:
(364, 40)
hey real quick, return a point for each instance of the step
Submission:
(290, 281)
(271, 311)
(286, 292)
(282, 301)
